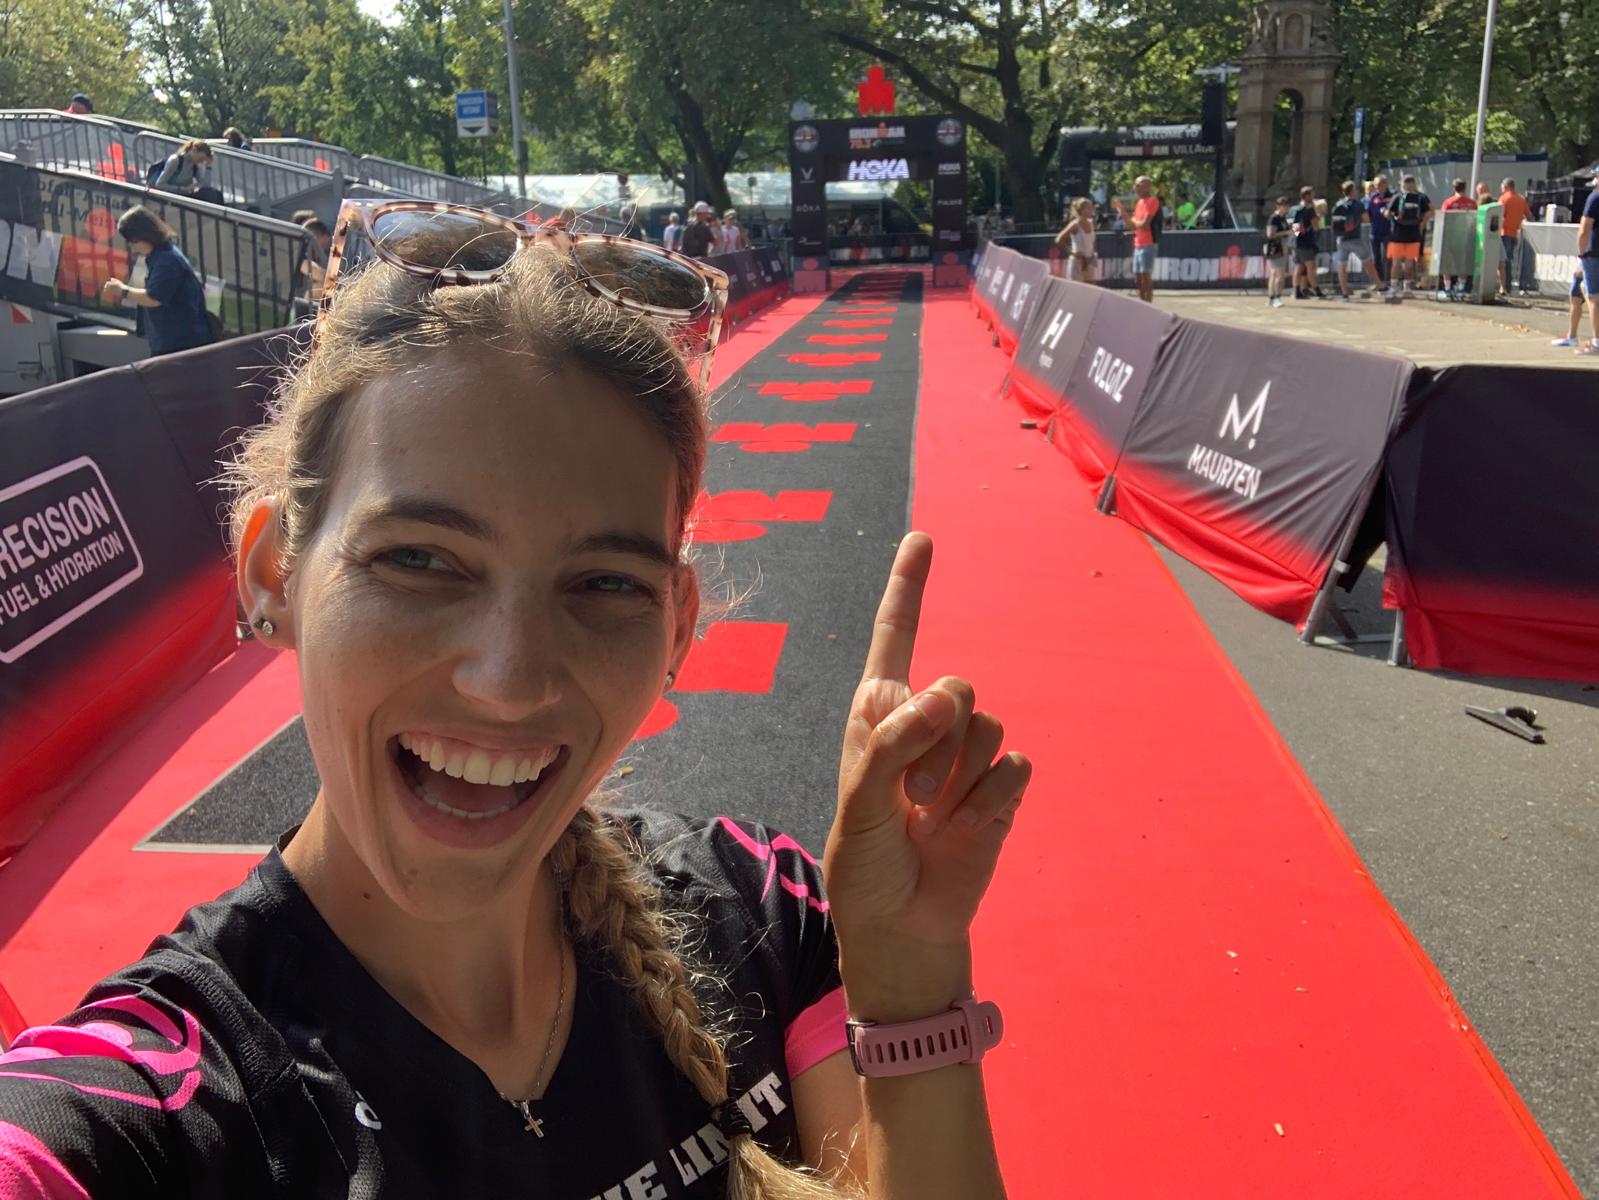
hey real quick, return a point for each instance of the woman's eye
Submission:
(617, 585)
(412, 558)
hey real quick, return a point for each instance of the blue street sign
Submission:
(1360, 127)
(477, 114)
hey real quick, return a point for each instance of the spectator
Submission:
(235, 139)
(314, 269)
(1458, 202)
(1515, 211)
(1306, 222)
(1082, 261)
(1409, 213)
(302, 215)
(1588, 250)
(1348, 222)
(1574, 316)
(172, 298)
(699, 240)
(1145, 223)
(1484, 194)
(1378, 197)
(672, 235)
(1187, 210)
(80, 105)
(1275, 250)
(733, 237)
(188, 171)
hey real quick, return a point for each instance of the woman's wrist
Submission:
(888, 987)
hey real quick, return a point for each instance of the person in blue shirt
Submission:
(1588, 249)
(173, 299)
(1378, 197)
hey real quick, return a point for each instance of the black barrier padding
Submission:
(1018, 296)
(113, 588)
(1251, 454)
(206, 398)
(1047, 352)
(1110, 379)
(770, 756)
(1493, 490)
(1185, 258)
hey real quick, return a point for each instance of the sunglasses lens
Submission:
(636, 276)
(445, 241)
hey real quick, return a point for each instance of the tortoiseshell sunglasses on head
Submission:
(451, 244)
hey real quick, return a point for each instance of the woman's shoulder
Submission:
(725, 854)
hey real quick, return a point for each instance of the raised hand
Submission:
(923, 809)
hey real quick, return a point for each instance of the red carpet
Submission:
(1204, 993)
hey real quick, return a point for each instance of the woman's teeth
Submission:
(478, 766)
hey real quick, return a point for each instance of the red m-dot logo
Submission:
(781, 439)
(744, 516)
(835, 360)
(845, 339)
(817, 391)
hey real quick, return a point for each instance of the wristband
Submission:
(962, 1035)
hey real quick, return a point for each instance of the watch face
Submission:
(950, 132)
(805, 138)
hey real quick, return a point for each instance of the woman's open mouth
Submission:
(470, 783)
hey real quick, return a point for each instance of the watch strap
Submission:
(963, 1034)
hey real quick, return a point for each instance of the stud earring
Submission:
(671, 678)
(265, 627)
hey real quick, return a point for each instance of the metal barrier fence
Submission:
(62, 224)
(429, 185)
(64, 141)
(319, 156)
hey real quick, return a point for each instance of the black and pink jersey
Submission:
(248, 1054)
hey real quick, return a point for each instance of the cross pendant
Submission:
(535, 1125)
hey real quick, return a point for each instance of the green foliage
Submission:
(50, 49)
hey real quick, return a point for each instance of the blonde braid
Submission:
(613, 903)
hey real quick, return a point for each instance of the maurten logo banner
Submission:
(65, 548)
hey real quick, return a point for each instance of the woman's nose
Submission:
(511, 663)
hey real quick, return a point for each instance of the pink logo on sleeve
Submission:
(767, 853)
(174, 1062)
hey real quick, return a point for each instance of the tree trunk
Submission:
(700, 149)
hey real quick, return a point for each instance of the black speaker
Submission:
(1213, 114)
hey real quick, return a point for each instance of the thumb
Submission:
(873, 794)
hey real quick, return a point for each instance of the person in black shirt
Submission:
(1275, 250)
(1306, 223)
(465, 974)
(1409, 214)
(699, 239)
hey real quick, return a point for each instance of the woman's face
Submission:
(491, 595)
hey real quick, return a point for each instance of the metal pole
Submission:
(1482, 96)
(516, 104)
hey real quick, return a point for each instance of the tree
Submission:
(988, 62)
(213, 61)
(50, 49)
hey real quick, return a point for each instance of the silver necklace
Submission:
(535, 1124)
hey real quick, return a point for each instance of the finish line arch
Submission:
(878, 149)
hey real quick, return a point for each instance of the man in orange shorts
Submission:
(1408, 211)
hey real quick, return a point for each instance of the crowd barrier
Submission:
(59, 243)
(116, 588)
(1266, 459)
(1185, 258)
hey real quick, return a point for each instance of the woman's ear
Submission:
(686, 614)
(263, 583)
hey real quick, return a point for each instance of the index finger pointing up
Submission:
(899, 614)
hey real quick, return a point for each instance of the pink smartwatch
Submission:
(962, 1035)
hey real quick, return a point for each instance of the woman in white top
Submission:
(1082, 262)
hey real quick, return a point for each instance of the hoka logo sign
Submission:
(1021, 302)
(1234, 422)
(876, 170)
(1051, 339)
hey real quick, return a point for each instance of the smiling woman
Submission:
(463, 974)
